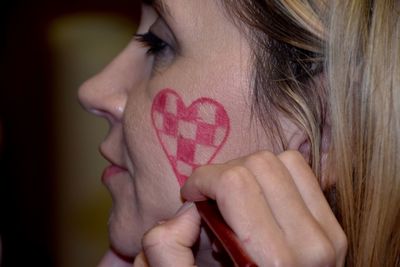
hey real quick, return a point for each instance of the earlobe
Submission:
(300, 141)
(304, 149)
(297, 139)
(304, 143)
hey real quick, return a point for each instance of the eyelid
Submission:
(160, 21)
(152, 42)
(160, 7)
(164, 32)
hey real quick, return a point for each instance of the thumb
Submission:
(169, 243)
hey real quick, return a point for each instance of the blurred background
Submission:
(54, 208)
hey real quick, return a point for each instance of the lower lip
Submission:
(110, 171)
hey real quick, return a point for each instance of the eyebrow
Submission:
(159, 5)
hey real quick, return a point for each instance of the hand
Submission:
(169, 243)
(274, 204)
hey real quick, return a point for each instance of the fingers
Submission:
(242, 203)
(301, 231)
(315, 201)
(169, 243)
(273, 203)
(275, 206)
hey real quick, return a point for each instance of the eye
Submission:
(160, 43)
(154, 43)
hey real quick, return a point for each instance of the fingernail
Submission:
(187, 205)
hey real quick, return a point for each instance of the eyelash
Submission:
(154, 43)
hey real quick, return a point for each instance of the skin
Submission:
(272, 201)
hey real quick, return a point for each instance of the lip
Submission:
(111, 171)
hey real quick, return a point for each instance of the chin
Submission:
(124, 240)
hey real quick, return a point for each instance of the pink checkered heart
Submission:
(190, 136)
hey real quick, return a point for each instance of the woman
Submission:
(273, 104)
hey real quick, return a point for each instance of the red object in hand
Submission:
(210, 214)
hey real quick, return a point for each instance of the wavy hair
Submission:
(354, 47)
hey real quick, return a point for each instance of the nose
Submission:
(105, 94)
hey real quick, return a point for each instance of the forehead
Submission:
(188, 9)
(200, 20)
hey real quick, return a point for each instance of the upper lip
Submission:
(112, 146)
(108, 155)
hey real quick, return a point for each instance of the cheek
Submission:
(190, 135)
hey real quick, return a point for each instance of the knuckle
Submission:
(196, 179)
(261, 162)
(292, 157)
(199, 171)
(235, 181)
(323, 255)
(259, 158)
(235, 178)
(155, 237)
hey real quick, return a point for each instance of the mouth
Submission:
(117, 177)
(111, 171)
(111, 151)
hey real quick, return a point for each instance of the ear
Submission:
(300, 140)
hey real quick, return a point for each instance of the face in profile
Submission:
(177, 96)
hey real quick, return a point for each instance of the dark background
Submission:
(27, 156)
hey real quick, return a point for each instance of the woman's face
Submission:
(179, 101)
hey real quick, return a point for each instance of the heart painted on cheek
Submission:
(190, 136)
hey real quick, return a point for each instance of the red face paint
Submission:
(190, 136)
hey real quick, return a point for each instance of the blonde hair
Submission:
(355, 45)
(364, 76)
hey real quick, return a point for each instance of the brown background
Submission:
(53, 207)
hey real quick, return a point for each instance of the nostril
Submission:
(103, 114)
(110, 107)
(97, 112)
